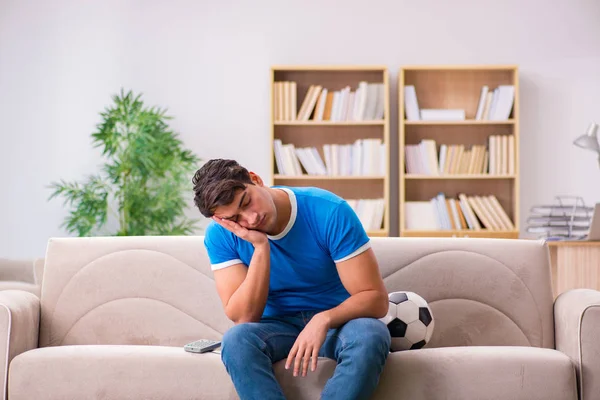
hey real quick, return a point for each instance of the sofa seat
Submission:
(461, 373)
(118, 372)
(159, 372)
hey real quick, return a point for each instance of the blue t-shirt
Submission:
(323, 229)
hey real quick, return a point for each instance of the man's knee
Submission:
(239, 338)
(370, 334)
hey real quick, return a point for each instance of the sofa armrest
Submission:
(19, 327)
(577, 329)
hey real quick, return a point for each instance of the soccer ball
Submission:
(409, 320)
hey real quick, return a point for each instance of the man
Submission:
(296, 274)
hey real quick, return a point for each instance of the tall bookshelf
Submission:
(460, 88)
(322, 128)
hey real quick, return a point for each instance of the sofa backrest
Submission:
(129, 290)
(20, 270)
(159, 290)
(481, 291)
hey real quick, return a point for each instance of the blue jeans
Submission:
(360, 347)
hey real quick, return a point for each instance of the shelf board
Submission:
(458, 176)
(327, 123)
(460, 67)
(484, 233)
(377, 233)
(328, 178)
(464, 122)
(325, 67)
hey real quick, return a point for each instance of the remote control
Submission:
(202, 346)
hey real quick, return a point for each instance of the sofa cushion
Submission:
(156, 372)
(118, 372)
(457, 373)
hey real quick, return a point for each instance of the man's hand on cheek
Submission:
(307, 345)
(254, 237)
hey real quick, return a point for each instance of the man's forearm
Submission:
(367, 304)
(248, 302)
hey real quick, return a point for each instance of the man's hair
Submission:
(216, 183)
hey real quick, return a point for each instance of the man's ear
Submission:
(257, 180)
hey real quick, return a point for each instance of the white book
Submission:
(441, 203)
(493, 103)
(292, 165)
(411, 105)
(434, 114)
(357, 155)
(335, 159)
(511, 154)
(321, 105)
(372, 95)
(362, 103)
(382, 159)
(305, 161)
(344, 104)
(328, 159)
(481, 105)
(504, 102)
(318, 161)
(420, 215)
(293, 100)
(443, 155)
(335, 104)
(350, 107)
(357, 104)
(380, 109)
(492, 156)
(279, 156)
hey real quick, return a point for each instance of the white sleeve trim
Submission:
(225, 264)
(360, 250)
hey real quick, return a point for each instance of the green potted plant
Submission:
(143, 181)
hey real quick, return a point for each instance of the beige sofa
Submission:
(114, 313)
(21, 274)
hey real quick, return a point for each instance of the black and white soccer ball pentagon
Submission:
(409, 320)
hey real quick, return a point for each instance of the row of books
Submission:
(497, 159)
(363, 157)
(369, 211)
(495, 105)
(472, 212)
(365, 103)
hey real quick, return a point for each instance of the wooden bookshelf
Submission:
(458, 87)
(317, 133)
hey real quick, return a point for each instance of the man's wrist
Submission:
(327, 318)
(262, 246)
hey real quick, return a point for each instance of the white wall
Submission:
(208, 62)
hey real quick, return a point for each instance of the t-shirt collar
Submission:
(293, 214)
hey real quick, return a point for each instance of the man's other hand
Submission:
(307, 345)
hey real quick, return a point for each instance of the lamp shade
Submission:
(590, 139)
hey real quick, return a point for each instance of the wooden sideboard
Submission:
(575, 264)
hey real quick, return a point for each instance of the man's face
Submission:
(252, 208)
